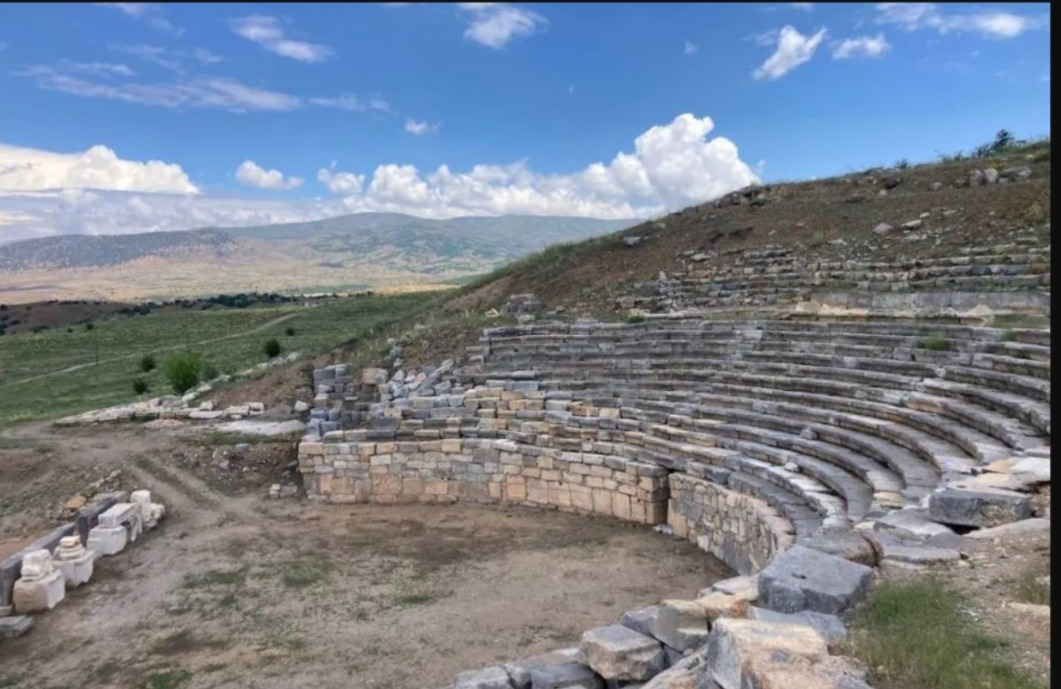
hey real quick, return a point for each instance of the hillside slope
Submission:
(366, 250)
(831, 219)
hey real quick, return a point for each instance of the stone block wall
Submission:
(743, 531)
(484, 470)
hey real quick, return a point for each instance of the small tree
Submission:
(140, 386)
(89, 326)
(147, 363)
(272, 348)
(290, 332)
(182, 371)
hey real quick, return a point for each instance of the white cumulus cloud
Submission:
(864, 46)
(672, 165)
(669, 166)
(690, 48)
(251, 174)
(928, 15)
(793, 49)
(418, 128)
(269, 33)
(494, 24)
(29, 169)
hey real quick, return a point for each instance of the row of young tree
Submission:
(184, 370)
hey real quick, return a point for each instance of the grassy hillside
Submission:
(53, 373)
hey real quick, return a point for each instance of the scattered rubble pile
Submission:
(36, 578)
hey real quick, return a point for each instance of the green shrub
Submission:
(210, 372)
(935, 344)
(182, 371)
(140, 386)
(272, 348)
(147, 363)
(89, 326)
(290, 332)
(635, 318)
(902, 163)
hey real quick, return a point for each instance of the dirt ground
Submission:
(236, 590)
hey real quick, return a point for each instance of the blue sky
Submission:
(261, 113)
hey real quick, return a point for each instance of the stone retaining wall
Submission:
(743, 531)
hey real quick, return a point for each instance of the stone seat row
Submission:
(724, 276)
(1001, 256)
(1015, 415)
(662, 328)
(1019, 359)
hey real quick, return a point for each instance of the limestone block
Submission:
(41, 586)
(640, 620)
(718, 604)
(806, 579)
(520, 670)
(107, 540)
(15, 626)
(150, 512)
(74, 561)
(681, 624)
(985, 507)
(616, 652)
(767, 655)
(831, 627)
(569, 676)
(488, 678)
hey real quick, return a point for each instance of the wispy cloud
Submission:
(173, 60)
(186, 92)
(864, 46)
(352, 103)
(494, 24)
(149, 12)
(269, 33)
(419, 128)
(99, 69)
(805, 6)
(250, 174)
(793, 49)
(216, 93)
(690, 48)
(928, 15)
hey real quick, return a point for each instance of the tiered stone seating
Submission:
(773, 276)
(829, 422)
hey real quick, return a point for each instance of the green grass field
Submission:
(34, 382)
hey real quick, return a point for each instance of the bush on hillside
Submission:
(182, 371)
(290, 332)
(272, 348)
(147, 363)
(89, 326)
(210, 372)
(140, 386)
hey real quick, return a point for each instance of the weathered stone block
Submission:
(985, 507)
(749, 653)
(108, 540)
(74, 561)
(569, 676)
(681, 624)
(640, 620)
(831, 627)
(520, 670)
(616, 652)
(14, 626)
(806, 579)
(488, 678)
(41, 586)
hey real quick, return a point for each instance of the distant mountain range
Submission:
(359, 251)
